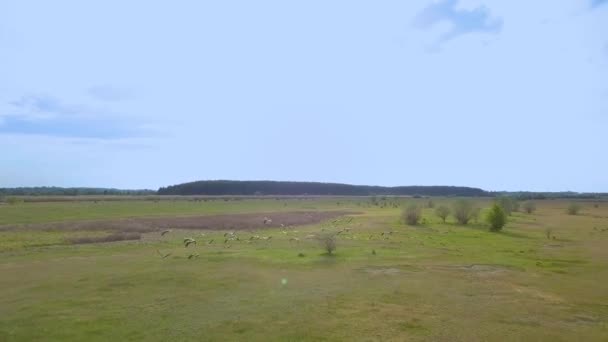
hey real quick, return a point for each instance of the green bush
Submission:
(574, 209)
(328, 241)
(412, 214)
(442, 212)
(529, 207)
(14, 200)
(475, 214)
(497, 218)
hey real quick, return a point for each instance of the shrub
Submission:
(529, 207)
(463, 211)
(373, 200)
(430, 204)
(574, 209)
(14, 200)
(412, 214)
(515, 205)
(475, 214)
(508, 204)
(328, 242)
(497, 218)
(442, 212)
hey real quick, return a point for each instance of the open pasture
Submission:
(258, 269)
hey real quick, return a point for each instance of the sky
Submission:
(501, 95)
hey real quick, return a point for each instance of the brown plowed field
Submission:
(211, 222)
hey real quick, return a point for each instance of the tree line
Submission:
(228, 187)
(59, 191)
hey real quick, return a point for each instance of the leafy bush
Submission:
(328, 242)
(497, 218)
(463, 211)
(412, 214)
(529, 207)
(442, 212)
(14, 200)
(574, 209)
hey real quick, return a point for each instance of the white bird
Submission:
(189, 241)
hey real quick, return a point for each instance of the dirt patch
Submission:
(389, 270)
(478, 269)
(383, 271)
(208, 222)
(582, 318)
(109, 238)
(538, 294)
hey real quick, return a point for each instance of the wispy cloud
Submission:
(46, 115)
(477, 20)
(109, 93)
(597, 3)
(38, 107)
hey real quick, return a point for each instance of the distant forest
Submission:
(270, 188)
(250, 188)
(57, 191)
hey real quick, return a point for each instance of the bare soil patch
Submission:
(207, 222)
(109, 238)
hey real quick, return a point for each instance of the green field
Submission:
(386, 281)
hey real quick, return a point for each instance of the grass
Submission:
(434, 281)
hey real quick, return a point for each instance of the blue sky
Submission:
(500, 95)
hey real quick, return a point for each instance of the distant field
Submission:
(542, 279)
(97, 208)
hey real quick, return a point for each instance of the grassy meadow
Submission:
(542, 278)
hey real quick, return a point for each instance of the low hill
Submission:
(228, 187)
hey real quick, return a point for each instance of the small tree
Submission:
(574, 208)
(412, 214)
(463, 211)
(475, 214)
(529, 207)
(328, 241)
(442, 212)
(497, 218)
(515, 205)
(507, 204)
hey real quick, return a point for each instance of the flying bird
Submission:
(189, 241)
(162, 255)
